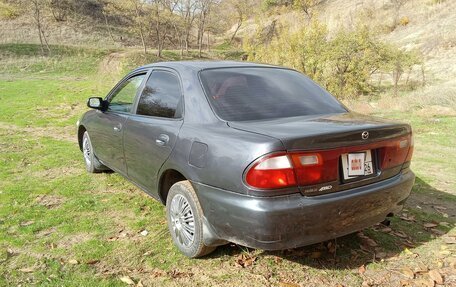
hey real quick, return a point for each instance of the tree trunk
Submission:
(141, 34)
(201, 33)
(42, 37)
(157, 33)
(235, 31)
(108, 27)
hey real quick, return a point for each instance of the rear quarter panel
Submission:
(228, 153)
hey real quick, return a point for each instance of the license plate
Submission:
(357, 164)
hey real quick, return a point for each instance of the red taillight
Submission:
(278, 171)
(313, 168)
(271, 172)
(396, 152)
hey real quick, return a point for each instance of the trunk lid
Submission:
(325, 131)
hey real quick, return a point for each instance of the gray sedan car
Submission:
(253, 154)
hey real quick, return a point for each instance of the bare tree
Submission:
(187, 10)
(138, 11)
(38, 8)
(397, 4)
(242, 10)
(205, 7)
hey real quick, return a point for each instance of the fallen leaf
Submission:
(144, 232)
(158, 273)
(421, 268)
(406, 282)
(430, 225)
(27, 223)
(244, 260)
(408, 272)
(424, 282)
(437, 232)
(127, 280)
(386, 229)
(92, 262)
(400, 234)
(440, 207)
(27, 269)
(405, 217)
(407, 251)
(289, 284)
(449, 239)
(362, 269)
(371, 242)
(178, 274)
(435, 275)
(277, 259)
(73, 261)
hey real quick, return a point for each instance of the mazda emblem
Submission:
(365, 135)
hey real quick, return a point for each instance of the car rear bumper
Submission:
(289, 221)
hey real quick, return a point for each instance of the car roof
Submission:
(202, 65)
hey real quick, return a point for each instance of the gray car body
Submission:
(214, 154)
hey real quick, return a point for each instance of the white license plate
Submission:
(357, 164)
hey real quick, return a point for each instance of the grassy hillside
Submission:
(60, 226)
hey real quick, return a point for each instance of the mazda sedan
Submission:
(253, 154)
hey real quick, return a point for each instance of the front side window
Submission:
(161, 96)
(123, 97)
(243, 94)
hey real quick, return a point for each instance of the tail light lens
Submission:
(281, 170)
(271, 172)
(314, 168)
(286, 170)
(396, 152)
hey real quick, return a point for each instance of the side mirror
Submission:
(96, 103)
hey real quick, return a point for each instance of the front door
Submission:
(109, 126)
(151, 132)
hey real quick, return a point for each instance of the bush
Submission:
(8, 12)
(343, 64)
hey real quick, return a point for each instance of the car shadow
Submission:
(429, 213)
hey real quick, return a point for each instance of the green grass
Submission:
(53, 212)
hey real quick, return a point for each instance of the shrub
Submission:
(343, 63)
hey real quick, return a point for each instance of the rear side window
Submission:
(242, 94)
(161, 96)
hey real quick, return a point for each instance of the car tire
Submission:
(93, 165)
(185, 220)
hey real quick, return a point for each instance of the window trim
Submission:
(116, 88)
(143, 85)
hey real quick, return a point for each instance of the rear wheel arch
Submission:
(167, 179)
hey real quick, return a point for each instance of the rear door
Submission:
(108, 128)
(151, 131)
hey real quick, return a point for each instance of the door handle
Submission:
(118, 128)
(162, 140)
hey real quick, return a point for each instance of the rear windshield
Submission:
(243, 94)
